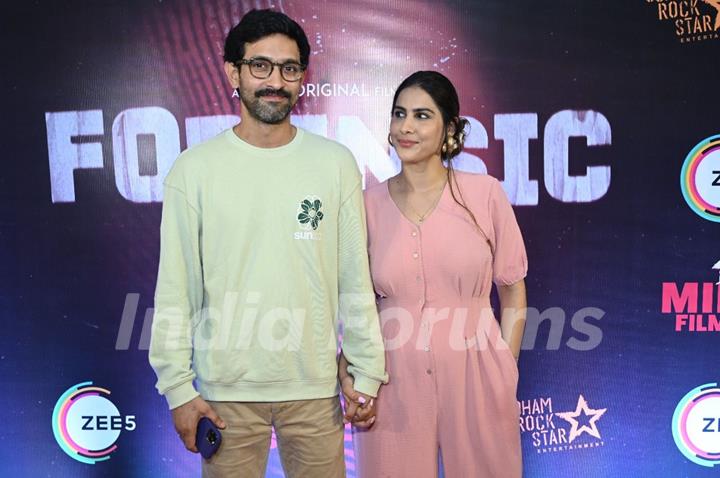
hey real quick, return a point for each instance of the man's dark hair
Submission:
(257, 24)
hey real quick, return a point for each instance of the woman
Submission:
(437, 239)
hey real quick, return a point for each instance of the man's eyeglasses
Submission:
(262, 68)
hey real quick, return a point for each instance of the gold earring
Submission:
(449, 145)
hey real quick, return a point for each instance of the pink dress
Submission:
(453, 381)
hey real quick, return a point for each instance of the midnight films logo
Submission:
(87, 424)
(694, 305)
(696, 425)
(554, 432)
(692, 20)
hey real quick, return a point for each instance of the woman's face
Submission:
(416, 126)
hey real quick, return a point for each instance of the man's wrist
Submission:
(180, 395)
(367, 386)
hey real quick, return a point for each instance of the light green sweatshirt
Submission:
(262, 255)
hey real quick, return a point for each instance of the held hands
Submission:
(359, 408)
(186, 417)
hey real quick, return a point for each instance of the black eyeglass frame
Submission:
(272, 64)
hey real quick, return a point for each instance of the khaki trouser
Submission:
(309, 437)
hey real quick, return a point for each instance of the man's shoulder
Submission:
(317, 144)
(206, 149)
(192, 161)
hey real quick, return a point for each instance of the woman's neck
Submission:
(422, 177)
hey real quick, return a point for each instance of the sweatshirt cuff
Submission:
(180, 395)
(366, 385)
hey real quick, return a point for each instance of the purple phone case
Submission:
(208, 438)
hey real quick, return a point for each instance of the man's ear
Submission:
(233, 74)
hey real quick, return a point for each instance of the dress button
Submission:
(428, 371)
(414, 233)
(415, 255)
(427, 349)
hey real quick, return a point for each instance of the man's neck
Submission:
(264, 135)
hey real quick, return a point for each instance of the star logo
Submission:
(580, 415)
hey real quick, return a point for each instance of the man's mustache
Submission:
(272, 92)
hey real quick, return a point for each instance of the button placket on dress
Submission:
(417, 254)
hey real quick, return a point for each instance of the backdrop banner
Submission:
(598, 117)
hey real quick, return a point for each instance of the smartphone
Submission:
(208, 438)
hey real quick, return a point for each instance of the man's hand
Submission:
(186, 417)
(359, 408)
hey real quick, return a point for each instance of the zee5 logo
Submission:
(696, 425)
(700, 178)
(87, 424)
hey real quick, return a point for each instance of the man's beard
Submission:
(270, 113)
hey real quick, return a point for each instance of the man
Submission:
(263, 243)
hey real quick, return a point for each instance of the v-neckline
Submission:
(427, 217)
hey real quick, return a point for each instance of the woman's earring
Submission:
(390, 140)
(450, 145)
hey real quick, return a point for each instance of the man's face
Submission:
(271, 99)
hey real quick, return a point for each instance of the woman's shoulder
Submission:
(375, 192)
(477, 187)
(474, 179)
(377, 200)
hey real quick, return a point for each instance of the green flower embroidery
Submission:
(309, 212)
